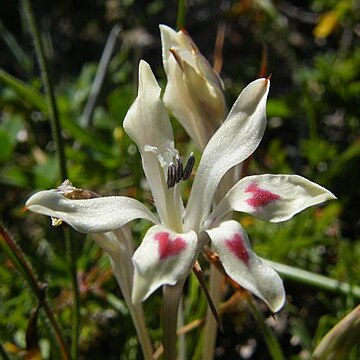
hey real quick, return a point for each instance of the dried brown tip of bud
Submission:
(176, 56)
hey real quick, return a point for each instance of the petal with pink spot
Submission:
(244, 266)
(272, 198)
(163, 258)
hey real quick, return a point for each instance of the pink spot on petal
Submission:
(169, 247)
(237, 246)
(260, 197)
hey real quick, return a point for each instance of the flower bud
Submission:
(194, 92)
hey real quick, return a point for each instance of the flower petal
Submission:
(194, 91)
(272, 198)
(236, 139)
(118, 245)
(244, 266)
(182, 40)
(148, 124)
(180, 102)
(91, 215)
(164, 257)
(169, 39)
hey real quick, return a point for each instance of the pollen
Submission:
(56, 221)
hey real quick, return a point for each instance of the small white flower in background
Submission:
(171, 246)
(194, 91)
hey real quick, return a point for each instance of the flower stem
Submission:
(71, 255)
(24, 267)
(49, 90)
(138, 318)
(180, 19)
(211, 325)
(171, 296)
(56, 131)
(182, 342)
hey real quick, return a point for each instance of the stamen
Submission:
(189, 167)
(171, 176)
(179, 170)
(56, 221)
(176, 172)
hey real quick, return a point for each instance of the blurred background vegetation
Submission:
(313, 130)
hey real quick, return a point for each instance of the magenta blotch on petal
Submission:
(168, 247)
(260, 197)
(237, 246)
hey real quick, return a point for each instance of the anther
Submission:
(189, 167)
(171, 176)
(179, 170)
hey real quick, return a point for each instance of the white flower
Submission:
(194, 91)
(116, 243)
(171, 246)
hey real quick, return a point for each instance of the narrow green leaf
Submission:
(269, 337)
(315, 280)
(26, 92)
(19, 54)
(37, 100)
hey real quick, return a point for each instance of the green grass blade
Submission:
(269, 337)
(37, 100)
(319, 281)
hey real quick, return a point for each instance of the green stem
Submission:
(71, 254)
(211, 325)
(171, 296)
(56, 131)
(49, 90)
(16, 50)
(24, 267)
(182, 342)
(180, 19)
(315, 280)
